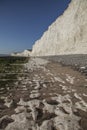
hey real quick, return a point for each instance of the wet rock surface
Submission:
(48, 96)
(4, 121)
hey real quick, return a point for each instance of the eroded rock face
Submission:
(67, 35)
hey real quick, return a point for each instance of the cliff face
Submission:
(25, 53)
(67, 35)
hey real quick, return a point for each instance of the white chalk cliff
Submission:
(25, 53)
(67, 35)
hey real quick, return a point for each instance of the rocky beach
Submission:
(48, 96)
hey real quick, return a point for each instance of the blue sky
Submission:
(22, 22)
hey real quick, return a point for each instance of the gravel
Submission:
(76, 61)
